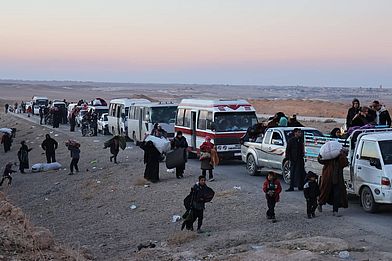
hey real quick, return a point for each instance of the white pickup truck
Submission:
(268, 152)
(369, 172)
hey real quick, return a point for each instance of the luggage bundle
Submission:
(330, 150)
(176, 158)
(162, 144)
(40, 167)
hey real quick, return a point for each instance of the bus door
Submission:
(118, 118)
(140, 122)
(193, 129)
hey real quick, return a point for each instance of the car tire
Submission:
(367, 200)
(286, 171)
(251, 166)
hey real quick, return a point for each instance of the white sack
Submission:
(6, 130)
(39, 167)
(162, 144)
(330, 150)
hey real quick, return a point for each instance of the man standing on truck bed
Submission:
(295, 153)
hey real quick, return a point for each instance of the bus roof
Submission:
(128, 102)
(40, 98)
(157, 104)
(218, 105)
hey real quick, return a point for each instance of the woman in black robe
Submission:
(23, 156)
(151, 159)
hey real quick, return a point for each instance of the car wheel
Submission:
(286, 171)
(367, 200)
(251, 165)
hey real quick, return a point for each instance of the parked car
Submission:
(268, 152)
(103, 124)
(369, 173)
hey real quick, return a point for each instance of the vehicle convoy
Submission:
(369, 172)
(225, 121)
(143, 116)
(118, 114)
(39, 102)
(268, 151)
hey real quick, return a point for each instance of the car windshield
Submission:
(386, 151)
(41, 102)
(105, 118)
(234, 121)
(163, 114)
(289, 133)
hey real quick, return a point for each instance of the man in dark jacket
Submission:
(382, 114)
(295, 153)
(179, 142)
(41, 114)
(354, 110)
(200, 194)
(49, 145)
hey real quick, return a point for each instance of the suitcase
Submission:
(175, 158)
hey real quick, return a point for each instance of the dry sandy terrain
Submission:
(91, 210)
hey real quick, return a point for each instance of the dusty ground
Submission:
(92, 210)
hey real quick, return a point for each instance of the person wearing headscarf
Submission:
(205, 158)
(179, 142)
(6, 140)
(23, 156)
(354, 110)
(151, 159)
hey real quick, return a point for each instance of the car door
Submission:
(276, 150)
(263, 153)
(364, 172)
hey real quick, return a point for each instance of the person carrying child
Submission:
(7, 174)
(311, 192)
(272, 189)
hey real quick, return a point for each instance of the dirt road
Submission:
(93, 210)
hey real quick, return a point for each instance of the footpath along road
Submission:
(244, 214)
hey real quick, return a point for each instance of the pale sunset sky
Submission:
(276, 42)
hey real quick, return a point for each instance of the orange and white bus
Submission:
(225, 121)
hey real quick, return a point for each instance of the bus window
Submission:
(187, 118)
(164, 114)
(180, 117)
(137, 113)
(132, 113)
(201, 124)
(209, 120)
(234, 121)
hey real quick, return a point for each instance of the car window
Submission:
(386, 151)
(369, 150)
(276, 136)
(267, 139)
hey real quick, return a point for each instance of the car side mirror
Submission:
(375, 163)
(277, 142)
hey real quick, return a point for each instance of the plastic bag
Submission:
(330, 150)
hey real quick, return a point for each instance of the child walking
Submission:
(272, 189)
(7, 173)
(311, 192)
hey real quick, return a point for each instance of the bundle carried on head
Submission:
(330, 150)
(72, 143)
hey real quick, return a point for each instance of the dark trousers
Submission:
(6, 177)
(204, 173)
(294, 176)
(336, 197)
(180, 170)
(72, 126)
(197, 214)
(74, 163)
(311, 206)
(41, 117)
(271, 206)
(114, 156)
(50, 157)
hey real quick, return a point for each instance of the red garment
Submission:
(278, 188)
(206, 146)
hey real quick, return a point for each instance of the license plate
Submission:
(237, 154)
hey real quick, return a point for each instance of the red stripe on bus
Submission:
(212, 135)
